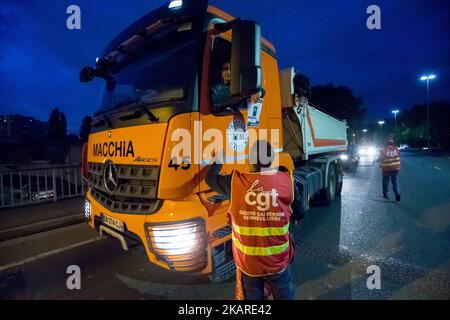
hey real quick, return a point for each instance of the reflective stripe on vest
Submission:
(259, 251)
(391, 159)
(255, 231)
(390, 164)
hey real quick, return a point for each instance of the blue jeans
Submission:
(281, 285)
(393, 176)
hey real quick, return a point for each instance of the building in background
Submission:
(17, 127)
(26, 145)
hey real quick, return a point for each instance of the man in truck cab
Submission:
(390, 166)
(260, 213)
(221, 91)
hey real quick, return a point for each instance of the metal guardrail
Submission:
(32, 186)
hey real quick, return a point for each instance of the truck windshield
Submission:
(163, 73)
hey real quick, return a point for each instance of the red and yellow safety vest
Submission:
(260, 214)
(390, 158)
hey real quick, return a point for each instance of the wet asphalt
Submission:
(408, 242)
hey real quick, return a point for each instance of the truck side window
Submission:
(220, 72)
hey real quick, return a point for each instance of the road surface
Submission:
(407, 241)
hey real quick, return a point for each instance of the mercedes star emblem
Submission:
(110, 178)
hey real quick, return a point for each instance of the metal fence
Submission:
(23, 187)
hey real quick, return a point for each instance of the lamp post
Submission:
(364, 135)
(427, 79)
(381, 123)
(395, 117)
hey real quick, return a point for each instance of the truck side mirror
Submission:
(246, 75)
(87, 74)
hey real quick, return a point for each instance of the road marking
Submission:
(49, 253)
(46, 222)
(41, 235)
(437, 168)
(215, 291)
(437, 277)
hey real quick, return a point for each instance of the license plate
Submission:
(113, 222)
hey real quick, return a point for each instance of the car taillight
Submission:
(84, 164)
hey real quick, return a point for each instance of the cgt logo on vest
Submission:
(391, 154)
(262, 199)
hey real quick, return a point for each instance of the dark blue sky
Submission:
(40, 58)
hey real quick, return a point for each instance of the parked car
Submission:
(350, 158)
(36, 195)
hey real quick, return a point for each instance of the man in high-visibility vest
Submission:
(260, 213)
(390, 166)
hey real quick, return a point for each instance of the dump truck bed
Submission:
(307, 131)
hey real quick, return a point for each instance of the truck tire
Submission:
(328, 194)
(340, 180)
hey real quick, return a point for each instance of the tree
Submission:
(412, 129)
(85, 128)
(57, 125)
(340, 103)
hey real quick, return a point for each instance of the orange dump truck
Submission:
(157, 119)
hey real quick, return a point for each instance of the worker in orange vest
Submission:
(260, 213)
(390, 166)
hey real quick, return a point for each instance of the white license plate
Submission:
(113, 222)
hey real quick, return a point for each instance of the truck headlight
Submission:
(343, 157)
(87, 209)
(177, 238)
(175, 4)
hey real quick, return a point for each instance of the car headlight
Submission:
(344, 157)
(177, 238)
(362, 151)
(87, 209)
(372, 151)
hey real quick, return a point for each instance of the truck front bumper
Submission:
(177, 237)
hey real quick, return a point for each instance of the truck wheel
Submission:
(328, 194)
(340, 180)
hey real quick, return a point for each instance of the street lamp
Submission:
(395, 117)
(365, 130)
(381, 123)
(427, 79)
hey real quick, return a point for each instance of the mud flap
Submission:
(223, 267)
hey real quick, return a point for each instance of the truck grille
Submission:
(136, 189)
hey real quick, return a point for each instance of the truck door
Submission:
(220, 124)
